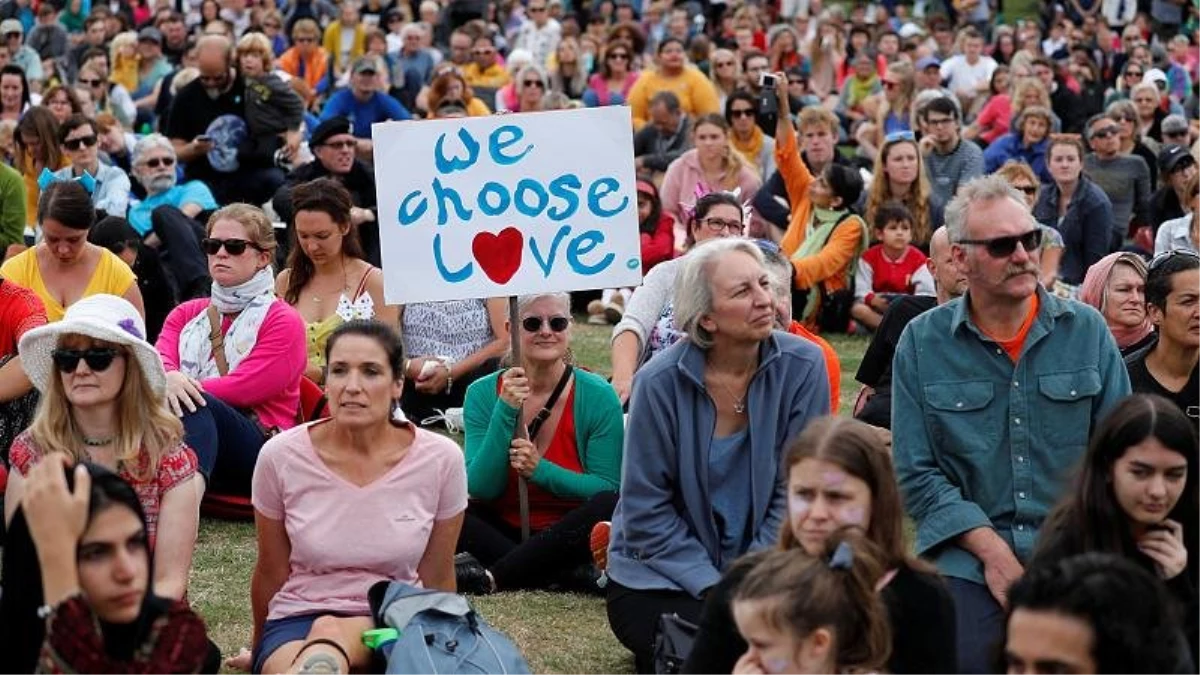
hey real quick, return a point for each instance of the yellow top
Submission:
(492, 78)
(111, 276)
(697, 96)
(125, 72)
(32, 191)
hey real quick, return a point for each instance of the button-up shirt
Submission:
(980, 441)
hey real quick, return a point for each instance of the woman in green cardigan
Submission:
(572, 462)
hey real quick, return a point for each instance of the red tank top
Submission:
(545, 508)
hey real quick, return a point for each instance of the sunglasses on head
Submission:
(1003, 247)
(533, 324)
(1163, 257)
(98, 359)
(897, 136)
(213, 246)
(155, 162)
(82, 141)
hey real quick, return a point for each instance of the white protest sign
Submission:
(507, 205)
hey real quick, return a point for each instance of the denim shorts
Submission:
(278, 632)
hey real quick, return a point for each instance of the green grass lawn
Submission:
(558, 632)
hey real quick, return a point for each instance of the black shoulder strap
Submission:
(544, 414)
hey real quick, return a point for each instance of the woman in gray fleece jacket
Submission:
(702, 483)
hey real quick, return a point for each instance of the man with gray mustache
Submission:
(994, 397)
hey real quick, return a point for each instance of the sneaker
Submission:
(598, 542)
(470, 575)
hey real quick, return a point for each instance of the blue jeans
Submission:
(226, 443)
(980, 624)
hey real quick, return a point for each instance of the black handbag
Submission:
(672, 643)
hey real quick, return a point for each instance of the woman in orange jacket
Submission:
(306, 59)
(824, 237)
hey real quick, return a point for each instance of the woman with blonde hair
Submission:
(122, 53)
(567, 75)
(725, 73)
(827, 52)
(712, 165)
(234, 360)
(893, 113)
(102, 388)
(900, 175)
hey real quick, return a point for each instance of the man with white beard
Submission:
(167, 218)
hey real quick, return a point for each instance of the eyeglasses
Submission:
(722, 225)
(1027, 189)
(897, 136)
(1167, 255)
(155, 162)
(1003, 247)
(98, 359)
(1105, 132)
(533, 324)
(938, 122)
(741, 112)
(233, 246)
(79, 143)
(341, 145)
(536, 10)
(90, 82)
(534, 83)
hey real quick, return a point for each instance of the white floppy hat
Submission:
(102, 317)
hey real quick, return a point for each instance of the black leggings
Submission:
(633, 615)
(548, 557)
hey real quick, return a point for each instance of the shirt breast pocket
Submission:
(961, 418)
(1065, 407)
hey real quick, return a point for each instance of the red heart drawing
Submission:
(499, 254)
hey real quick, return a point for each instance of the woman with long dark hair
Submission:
(37, 149)
(78, 592)
(14, 92)
(327, 280)
(1135, 496)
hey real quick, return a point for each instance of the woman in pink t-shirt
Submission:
(344, 503)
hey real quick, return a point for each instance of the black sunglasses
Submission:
(533, 324)
(98, 358)
(233, 246)
(1002, 247)
(82, 141)
(534, 83)
(155, 162)
(91, 83)
(741, 112)
(1167, 255)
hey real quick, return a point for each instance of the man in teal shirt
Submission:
(994, 397)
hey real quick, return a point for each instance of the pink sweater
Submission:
(267, 381)
(679, 188)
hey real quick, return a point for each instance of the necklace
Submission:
(739, 402)
(98, 442)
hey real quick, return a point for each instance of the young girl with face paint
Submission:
(840, 475)
(814, 614)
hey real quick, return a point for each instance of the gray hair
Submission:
(524, 301)
(780, 269)
(536, 69)
(693, 285)
(982, 189)
(1144, 86)
(412, 28)
(151, 142)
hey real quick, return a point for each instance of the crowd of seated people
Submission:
(1003, 216)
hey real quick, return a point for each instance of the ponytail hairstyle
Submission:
(835, 592)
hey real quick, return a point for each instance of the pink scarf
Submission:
(1095, 285)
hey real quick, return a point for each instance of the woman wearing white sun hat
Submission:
(102, 401)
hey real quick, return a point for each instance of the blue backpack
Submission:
(440, 633)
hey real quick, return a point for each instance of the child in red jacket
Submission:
(658, 241)
(890, 269)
